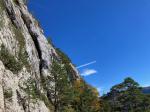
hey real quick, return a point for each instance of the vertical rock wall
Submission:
(24, 43)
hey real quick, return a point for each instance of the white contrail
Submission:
(86, 64)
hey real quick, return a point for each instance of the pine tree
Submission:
(126, 97)
(60, 91)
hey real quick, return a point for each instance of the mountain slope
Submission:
(25, 57)
(34, 75)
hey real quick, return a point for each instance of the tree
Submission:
(66, 61)
(86, 98)
(127, 97)
(105, 106)
(60, 92)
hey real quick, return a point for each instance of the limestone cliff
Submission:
(25, 57)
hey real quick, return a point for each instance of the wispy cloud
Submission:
(88, 72)
(84, 65)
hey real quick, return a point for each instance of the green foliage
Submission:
(15, 1)
(8, 94)
(2, 8)
(126, 96)
(44, 98)
(68, 109)
(19, 36)
(50, 41)
(31, 89)
(2, 5)
(86, 98)
(44, 82)
(22, 55)
(1, 22)
(105, 106)
(61, 89)
(67, 96)
(66, 61)
(9, 60)
(12, 63)
(35, 94)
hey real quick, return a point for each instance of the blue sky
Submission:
(114, 34)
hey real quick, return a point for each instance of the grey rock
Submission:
(16, 25)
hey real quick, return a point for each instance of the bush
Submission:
(2, 6)
(31, 89)
(65, 59)
(68, 109)
(9, 60)
(46, 101)
(15, 1)
(8, 94)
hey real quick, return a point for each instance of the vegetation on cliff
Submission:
(9, 60)
(60, 88)
(69, 95)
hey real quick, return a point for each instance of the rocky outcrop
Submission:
(22, 42)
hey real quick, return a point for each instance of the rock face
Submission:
(23, 44)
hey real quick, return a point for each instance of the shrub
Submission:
(2, 6)
(31, 89)
(9, 60)
(1, 23)
(68, 109)
(22, 55)
(15, 1)
(8, 94)
(65, 59)
(35, 94)
(46, 101)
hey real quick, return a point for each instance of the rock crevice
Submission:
(20, 34)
